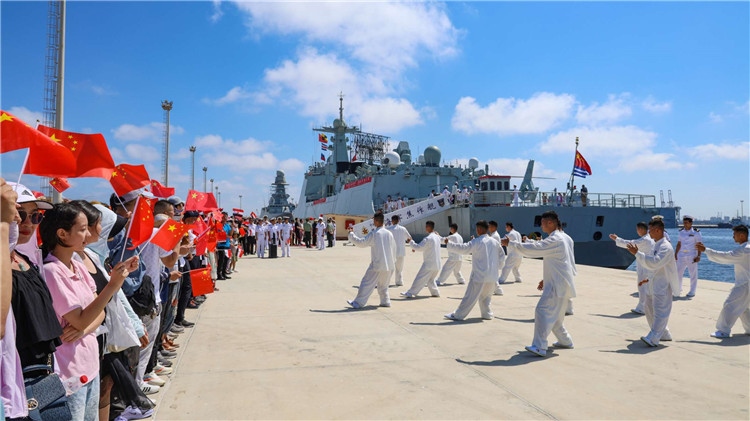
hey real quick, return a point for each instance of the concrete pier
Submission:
(279, 342)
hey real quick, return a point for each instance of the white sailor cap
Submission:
(688, 217)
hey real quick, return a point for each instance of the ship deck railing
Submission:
(607, 200)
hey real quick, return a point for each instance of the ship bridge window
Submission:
(507, 185)
(484, 186)
(329, 188)
(492, 185)
(600, 221)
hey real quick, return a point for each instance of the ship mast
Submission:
(569, 198)
(54, 78)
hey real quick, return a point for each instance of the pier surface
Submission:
(278, 342)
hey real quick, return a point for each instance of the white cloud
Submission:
(651, 162)
(738, 151)
(508, 116)
(151, 131)
(246, 146)
(715, 118)
(615, 109)
(29, 117)
(652, 105)
(622, 141)
(217, 12)
(142, 153)
(95, 88)
(233, 95)
(291, 165)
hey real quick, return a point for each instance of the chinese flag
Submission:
(90, 151)
(199, 227)
(160, 190)
(141, 222)
(211, 239)
(201, 244)
(126, 178)
(169, 234)
(221, 235)
(201, 280)
(45, 157)
(60, 184)
(200, 201)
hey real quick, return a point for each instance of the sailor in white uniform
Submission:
(660, 262)
(430, 248)
(644, 244)
(286, 235)
(262, 236)
(737, 304)
(401, 237)
(321, 226)
(382, 252)
(687, 256)
(513, 259)
(455, 259)
(492, 233)
(558, 269)
(483, 278)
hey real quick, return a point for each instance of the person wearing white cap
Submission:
(687, 256)
(447, 194)
(286, 236)
(737, 304)
(645, 244)
(516, 202)
(401, 237)
(430, 248)
(321, 230)
(382, 252)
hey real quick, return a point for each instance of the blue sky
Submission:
(658, 93)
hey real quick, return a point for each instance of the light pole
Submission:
(167, 107)
(240, 201)
(192, 168)
(218, 195)
(742, 211)
(205, 169)
(212, 184)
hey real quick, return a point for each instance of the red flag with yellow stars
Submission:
(201, 281)
(169, 234)
(60, 184)
(199, 227)
(141, 222)
(45, 158)
(201, 244)
(126, 178)
(200, 201)
(159, 190)
(90, 151)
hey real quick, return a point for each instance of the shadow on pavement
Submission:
(345, 310)
(516, 320)
(637, 347)
(628, 315)
(447, 322)
(521, 358)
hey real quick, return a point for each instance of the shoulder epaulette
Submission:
(696, 230)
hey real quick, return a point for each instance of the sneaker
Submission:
(461, 282)
(648, 342)
(536, 351)
(498, 290)
(487, 317)
(408, 294)
(153, 379)
(399, 284)
(169, 357)
(185, 323)
(719, 334)
(177, 328)
(561, 345)
(450, 316)
(436, 295)
(166, 353)
(150, 389)
(440, 284)
(161, 370)
(134, 413)
(385, 305)
(636, 311)
(689, 295)
(354, 304)
(163, 361)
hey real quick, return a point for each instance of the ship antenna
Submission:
(341, 106)
(569, 199)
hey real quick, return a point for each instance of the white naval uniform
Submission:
(513, 259)
(382, 252)
(644, 244)
(737, 304)
(688, 252)
(660, 262)
(500, 262)
(400, 234)
(483, 278)
(285, 230)
(558, 270)
(261, 233)
(321, 235)
(454, 262)
(430, 248)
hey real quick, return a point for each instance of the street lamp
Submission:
(218, 195)
(192, 168)
(742, 211)
(204, 177)
(240, 201)
(212, 184)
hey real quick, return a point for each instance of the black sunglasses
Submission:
(36, 216)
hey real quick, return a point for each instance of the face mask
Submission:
(13, 235)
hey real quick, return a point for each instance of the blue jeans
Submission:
(84, 403)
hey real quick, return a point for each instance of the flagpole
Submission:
(130, 225)
(569, 199)
(23, 167)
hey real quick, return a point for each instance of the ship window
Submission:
(492, 185)
(330, 190)
(507, 185)
(600, 221)
(450, 220)
(538, 221)
(484, 186)
(597, 236)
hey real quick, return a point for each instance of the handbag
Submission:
(121, 334)
(143, 299)
(45, 394)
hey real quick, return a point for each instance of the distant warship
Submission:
(278, 204)
(360, 175)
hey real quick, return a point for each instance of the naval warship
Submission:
(360, 175)
(278, 203)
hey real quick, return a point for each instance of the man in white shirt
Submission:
(382, 252)
(558, 269)
(455, 260)
(321, 231)
(645, 244)
(252, 240)
(687, 256)
(492, 233)
(430, 248)
(401, 237)
(286, 237)
(261, 234)
(737, 304)
(513, 259)
(660, 262)
(483, 278)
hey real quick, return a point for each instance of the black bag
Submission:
(45, 395)
(273, 251)
(143, 299)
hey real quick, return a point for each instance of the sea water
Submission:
(719, 239)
